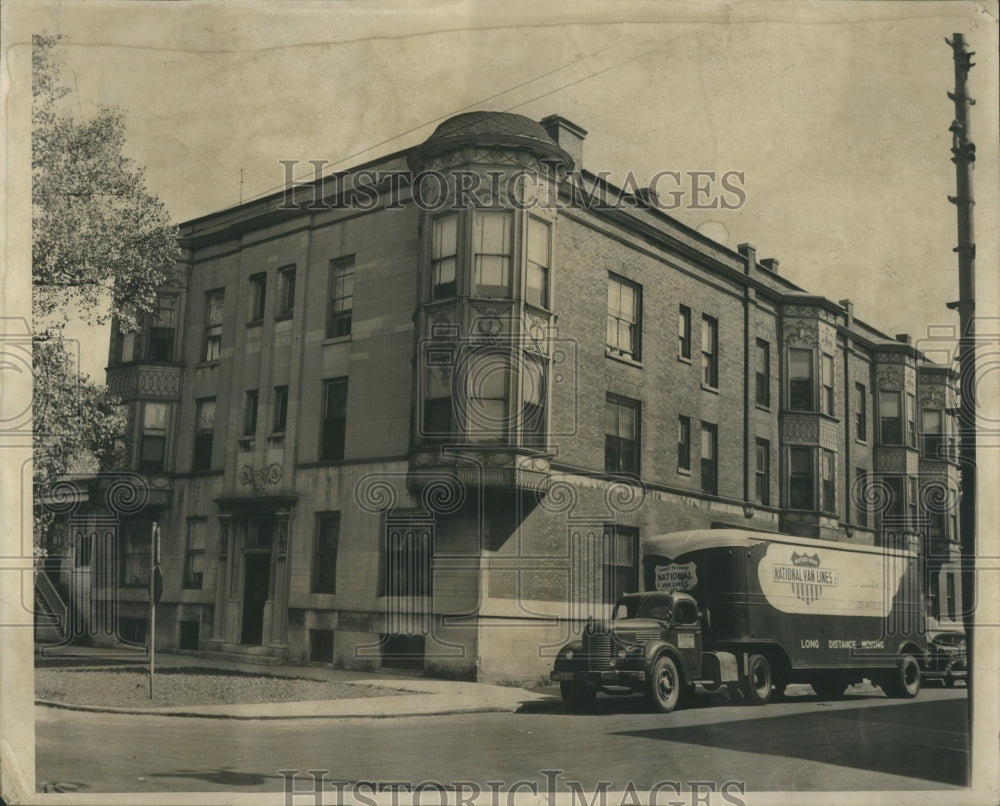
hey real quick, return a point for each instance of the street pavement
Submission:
(862, 742)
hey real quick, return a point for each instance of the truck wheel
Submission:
(829, 688)
(665, 684)
(576, 696)
(757, 686)
(904, 682)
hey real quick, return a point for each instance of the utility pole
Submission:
(964, 156)
(155, 590)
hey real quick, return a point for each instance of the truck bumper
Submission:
(610, 677)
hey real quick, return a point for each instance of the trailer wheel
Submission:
(665, 684)
(577, 696)
(904, 682)
(757, 686)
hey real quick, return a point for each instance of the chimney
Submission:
(848, 307)
(568, 135)
(749, 252)
(770, 263)
(904, 338)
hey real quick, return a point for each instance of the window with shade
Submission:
(204, 434)
(762, 376)
(438, 420)
(621, 564)
(827, 384)
(684, 333)
(621, 435)
(800, 380)
(710, 458)
(286, 290)
(710, 352)
(194, 559)
(341, 304)
(890, 417)
(152, 448)
(536, 286)
(250, 413)
(533, 403)
(932, 433)
(214, 301)
(828, 481)
(860, 412)
(624, 307)
(136, 542)
(491, 253)
(279, 413)
(487, 394)
(762, 472)
(334, 419)
(684, 443)
(911, 420)
(258, 296)
(444, 260)
(801, 479)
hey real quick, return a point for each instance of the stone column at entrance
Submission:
(279, 598)
(221, 580)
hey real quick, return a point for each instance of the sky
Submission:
(836, 114)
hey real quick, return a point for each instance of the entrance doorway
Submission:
(255, 591)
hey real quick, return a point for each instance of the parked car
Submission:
(947, 658)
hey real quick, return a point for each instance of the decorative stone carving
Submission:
(136, 380)
(889, 377)
(261, 477)
(537, 331)
(799, 331)
(828, 339)
(932, 398)
(801, 430)
(890, 460)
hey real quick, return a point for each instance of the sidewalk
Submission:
(419, 696)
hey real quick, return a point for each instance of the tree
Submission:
(97, 232)
(101, 246)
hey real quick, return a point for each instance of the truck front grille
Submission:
(597, 649)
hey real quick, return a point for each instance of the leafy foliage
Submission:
(96, 229)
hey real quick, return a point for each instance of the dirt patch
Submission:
(180, 687)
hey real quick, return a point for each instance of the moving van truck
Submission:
(755, 611)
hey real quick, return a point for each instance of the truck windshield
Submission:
(655, 607)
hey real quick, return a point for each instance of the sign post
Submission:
(155, 590)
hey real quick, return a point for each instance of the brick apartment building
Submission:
(379, 432)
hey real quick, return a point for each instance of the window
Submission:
(324, 578)
(709, 351)
(932, 432)
(334, 418)
(828, 480)
(624, 307)
(338, 321)
(250, 413)
(621, 435)
(406, 560)
(911, 421)
(439, 422)
(800, 478)
(684, 332)
(204, 432)
(258, 296)
(491, 246)
(155, 339)
(684, 443)
(860, 412)
(890, 418)
(763, 376)
(800, 380)
(861, 498)
(762, 474)
(279, 410)
(194, 560)
(950, 601)
(533, 405)
(536, 290)
(444, 247)
(621, 566)
(937, 522)
(213, 324)
(894, 508)
(709, 458)
(827, 376)
(487, 390)
(286, 290)
(137, 537)
(911, 501)
(154, 436)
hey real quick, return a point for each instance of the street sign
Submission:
(157, 584)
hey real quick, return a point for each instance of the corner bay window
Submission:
(800, 380)
(800, 478)
(932, 433)
(487, 389)
(621, 435)
(438, 420)
(154, 436)
(155, 339)
(624, 310)
(890, 417)
(444, 249)
(536, 284)
(491, 253)
(204, 434)
(827, 378)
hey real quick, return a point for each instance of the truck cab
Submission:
(651, 645)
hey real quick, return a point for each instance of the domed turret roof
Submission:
(490, 129)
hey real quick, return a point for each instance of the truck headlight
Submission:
(569, 654)
(622, 652)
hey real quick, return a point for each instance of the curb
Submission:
(100, 709)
